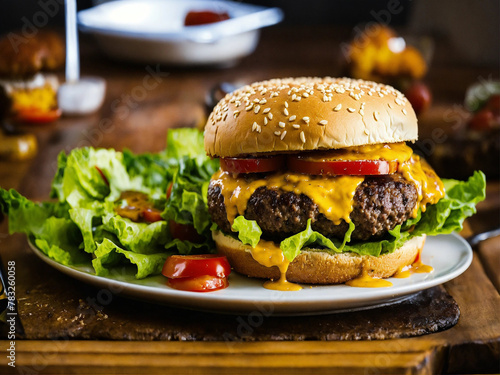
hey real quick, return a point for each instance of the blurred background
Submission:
(471, 27)
(443, 55)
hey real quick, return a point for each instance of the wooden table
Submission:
(177, 99)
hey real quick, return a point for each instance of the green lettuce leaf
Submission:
(450, 212)
(26, 216)
(155, 171)
(57, 183)
(188, 201)
(291, 246)
(59, 239)
(109, 255)
(142, 238)
(249, 231)
(88, 220)
(187, 142)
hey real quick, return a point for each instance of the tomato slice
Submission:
(252, 165)
(169, 190)
(151, 215)
(184, 232)
(181, 266)
(102, 175)
(199, 284)
(37, 116)
(342, 167)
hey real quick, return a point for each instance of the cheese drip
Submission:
(416, 267)
(430, 188)
(333, 195)
(366, 281)
(268, 254)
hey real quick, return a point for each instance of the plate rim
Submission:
(213, 302)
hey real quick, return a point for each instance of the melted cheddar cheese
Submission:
(268, 254)
(334, 196)
(386, 151)
(416, 267)
(430, 188)
(366, 281)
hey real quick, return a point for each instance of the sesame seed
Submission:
(286, 104)
(257, 109)
(376, 116)
(285, 112)
(302, 137)
(353, 95)
(277, 132)
(349, 109)
(305, 95)
(263, 101)
(270, 115)
(254, 126)
(296, 126)
(298, 98)
(404, 111)
(225, 116)
(265, 120)
(294, 97)
(281, 124)
(306, 119)
(323, 122)
(266, 110)
(249, 107)
(283, 135)
(389, 105)
(256, 100)
(366, 132)
(338, 107)
(292, 118)
(236, 114)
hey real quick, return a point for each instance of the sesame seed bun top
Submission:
(297, 114)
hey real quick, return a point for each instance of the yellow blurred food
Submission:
(17, 147)
(40, 98)
(372, 57)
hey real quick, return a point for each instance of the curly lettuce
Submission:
(81, 224)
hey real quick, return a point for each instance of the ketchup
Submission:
(203, 17)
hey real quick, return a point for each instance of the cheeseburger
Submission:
(317, 184)
(28, 88)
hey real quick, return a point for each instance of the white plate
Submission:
(152, 31)
(449, 255)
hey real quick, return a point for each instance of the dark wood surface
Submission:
(472, 345)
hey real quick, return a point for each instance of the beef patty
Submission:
(380, 203)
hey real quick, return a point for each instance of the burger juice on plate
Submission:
(318, 186)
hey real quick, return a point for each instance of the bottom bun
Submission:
(319, 267)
